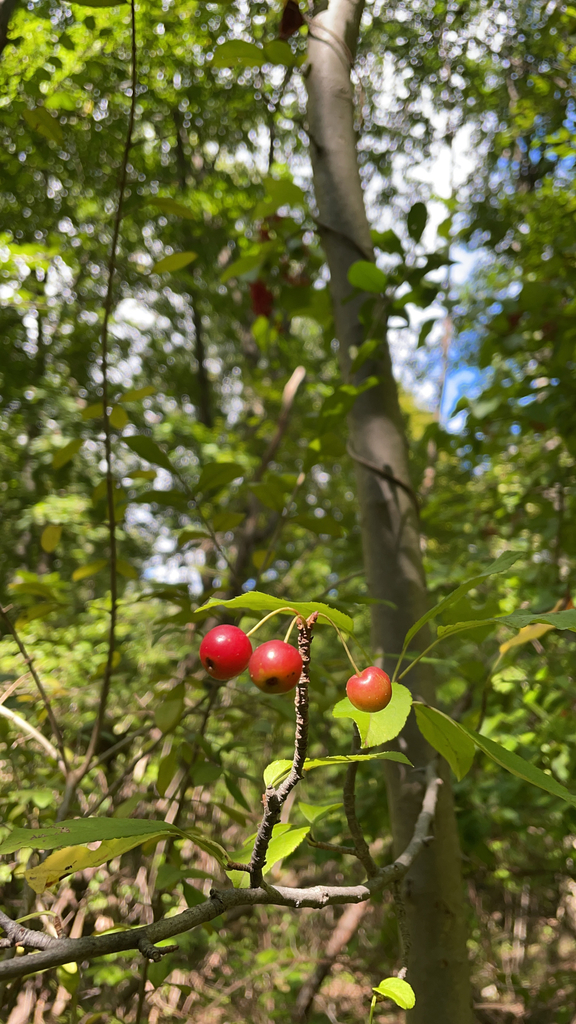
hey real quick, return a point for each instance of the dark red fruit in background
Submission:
(275, 667)
(292, 20)
(370, 691)
(225, 652)
(261, 298)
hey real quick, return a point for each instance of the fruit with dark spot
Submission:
(225, 652)
(370, 691)
(275, 667)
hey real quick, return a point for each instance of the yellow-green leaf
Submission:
(125, 569)
(39, 120)
(170, 710)
(50, 538)
(89, 570)
(63, 455)
(177, 261)
(91, 412)
(136, 394)
(118, 417)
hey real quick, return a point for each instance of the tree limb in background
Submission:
(62, 951)
(346, 927)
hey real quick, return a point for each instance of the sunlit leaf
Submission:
(177, 261)
(90, 569)
(254, 601)
(398, 990)
(237, 52)
(382, 726)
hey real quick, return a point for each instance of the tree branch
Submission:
(62, 951)
(349, 796)
(274, 799)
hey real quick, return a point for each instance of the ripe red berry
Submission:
(370, 691)
(275, 667)
(225, 651)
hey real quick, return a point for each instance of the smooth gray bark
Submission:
(433, 891)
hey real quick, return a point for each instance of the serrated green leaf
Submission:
(63, 455)
(276, 771)
(517, 765)
(147, 449)
(382, 726)
(257, 602)
(445, 736)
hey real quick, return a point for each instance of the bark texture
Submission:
(432, 892)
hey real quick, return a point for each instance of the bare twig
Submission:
(39, 686)
(24, 726)
(333, 847)
(61, 951)
(275, 798)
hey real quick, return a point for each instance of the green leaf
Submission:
(425, 331)
(279, 192)
(319, 524)
(236, 792)
(167, 770)
(135, 394)
(217, 474)
(83, 830)
(237, 52)
(92, 412)
(167, 205)
(39, 120)
(517, 765)
(244, 265)
(50, 538)
(384, 725)
(171, 498)
(445, 736)
(63, 455)
(278, 52)
(387, 241)
(223, 521)
(502, 564)
(366, 350)
(285, 840)
(398, 990)
(35, 611)
(177, 261)
(271, 494)
(313, 813)
(89, 570)
(98, 3)
(170, 709)
(125, 569)
(367, 276)
(416, 221)
(256, 602)
(147, 449)
(118, 417)
(278, 770)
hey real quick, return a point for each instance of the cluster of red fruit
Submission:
(275, 667)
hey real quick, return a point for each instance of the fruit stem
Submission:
(290, 628)
(342, 641)
(277, 611)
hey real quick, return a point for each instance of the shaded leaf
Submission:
(39, 120)
(314, 813)
(445, 736)
(217, 474)
(147, 449)
(367, 276)
(118, 417)
(416, 220)
(89, 570)
(170, 709)
(135, 394)
(63, 455)
(167, 205)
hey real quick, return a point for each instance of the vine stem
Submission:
(76, 776)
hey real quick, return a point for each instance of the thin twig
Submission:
(25, 726)
(39, 685)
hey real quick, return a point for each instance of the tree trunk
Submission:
(433, 892)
